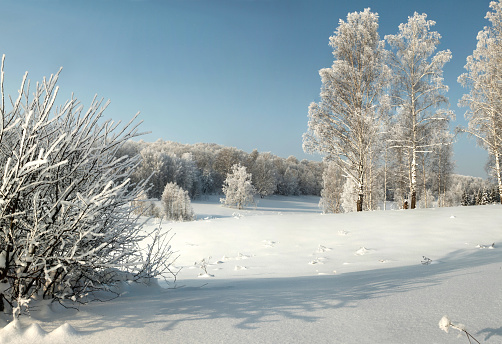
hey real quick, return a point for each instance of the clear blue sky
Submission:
(234, 72)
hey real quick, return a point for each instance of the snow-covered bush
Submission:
(145, 206)
(176, 203)
(237, 188)
(66, 221)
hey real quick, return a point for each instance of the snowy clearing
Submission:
(281, 272)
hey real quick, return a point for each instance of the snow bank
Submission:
(284, 273)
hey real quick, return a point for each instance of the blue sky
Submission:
(234, 72)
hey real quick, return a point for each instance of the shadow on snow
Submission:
(252, 302)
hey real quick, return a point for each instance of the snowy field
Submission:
(281, 272)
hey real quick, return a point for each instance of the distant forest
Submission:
(202, 168)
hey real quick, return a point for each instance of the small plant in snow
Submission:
(203, 264)
(490, 247)
(445, 324)
(426, 260)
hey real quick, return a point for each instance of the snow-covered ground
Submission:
(281, 272)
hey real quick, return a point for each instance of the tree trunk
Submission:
(425, 184)
(360, 187)
(439, 180)
(413, 184)
(499, 179)
(385, 181)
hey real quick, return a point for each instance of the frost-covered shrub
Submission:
(176, 203)
(66, 221)
(145, 206)
(237, 188)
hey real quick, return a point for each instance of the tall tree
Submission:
(418, 90)
(344, 124)
(484, 79)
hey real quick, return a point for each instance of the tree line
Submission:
(202, 168)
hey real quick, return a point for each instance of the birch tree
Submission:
(344, 124)
(418, 92)
(484, 80)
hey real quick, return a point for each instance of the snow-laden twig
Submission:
(445, 324)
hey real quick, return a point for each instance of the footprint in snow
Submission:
(205, 275)
(242, 256)
(362, 251)
(322, 249)
(325, 273)
(343, 232)
(490, 247)
(319, 260)
(238, 268)
(269, 243)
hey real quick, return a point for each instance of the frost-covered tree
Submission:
(441, 168)
(289, 183)
(66, 221)
(264, 175)
(176, 203)
(484, 79)
(344, 125)
(238, 189)
(418, 92)
(331, 194)
(224, 161)
(157, 167)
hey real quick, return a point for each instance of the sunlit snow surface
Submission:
(281, 272)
